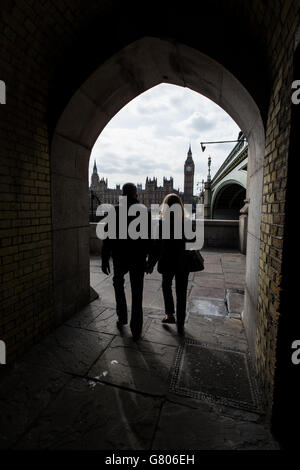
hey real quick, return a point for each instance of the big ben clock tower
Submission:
(189, 169)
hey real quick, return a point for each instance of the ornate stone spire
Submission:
(95, 177)
(189, 158)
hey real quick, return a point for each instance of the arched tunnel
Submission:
(68, 68)
(228, 202)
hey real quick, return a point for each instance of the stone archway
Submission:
(138, 67)
(227, 200)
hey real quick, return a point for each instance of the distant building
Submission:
(100, 193)
(189, 170)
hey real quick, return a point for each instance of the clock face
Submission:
(188, 168)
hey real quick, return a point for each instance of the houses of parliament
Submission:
(100, 193)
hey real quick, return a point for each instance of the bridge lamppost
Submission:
(200, 188)
(207, 192)
(239, 139)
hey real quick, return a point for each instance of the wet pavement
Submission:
(90, 386)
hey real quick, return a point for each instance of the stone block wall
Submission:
(95, 242)
(221, 234)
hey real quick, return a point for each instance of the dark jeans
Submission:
(181, 283)
(136, 275)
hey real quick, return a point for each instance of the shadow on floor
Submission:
(90, 386)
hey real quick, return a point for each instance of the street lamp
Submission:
(239, 139)
(203, 147)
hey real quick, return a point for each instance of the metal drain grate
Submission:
(216, 374)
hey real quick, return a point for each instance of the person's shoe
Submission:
(169, 319)
(120, 324)
(136, 335)
(180, 329)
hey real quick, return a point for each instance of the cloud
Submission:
(151, 136)
(155, 108)
(200, 123)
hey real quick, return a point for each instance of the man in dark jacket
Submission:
(128, 255)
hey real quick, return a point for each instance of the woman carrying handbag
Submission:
(174, 261)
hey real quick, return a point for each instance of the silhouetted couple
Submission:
(137, 256)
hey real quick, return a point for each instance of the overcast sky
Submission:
(150, 136)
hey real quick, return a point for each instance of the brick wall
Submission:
(281, 45)
(25, 216)
(30, 33)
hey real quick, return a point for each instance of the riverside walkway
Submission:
(88, 386)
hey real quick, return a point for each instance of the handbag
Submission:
(195, 261)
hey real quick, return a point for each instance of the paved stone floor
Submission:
(86, 386)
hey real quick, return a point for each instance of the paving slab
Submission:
(195, 330)
(202, 328)
(212, 292)
(222, 330)
(213, 268)
(232, 334)
(96, 276)
(152, 284)
(106, 323)
(206, 275)
(87, 315)
(24, 393)
(162, 334)
(233, 258)
(69, 349)
(233, 269)
(204, 322)
(91, 416)
(106, 291)
(157, 313)
(238, 343)
(141, 365)
(93, 294)
(95, 259)
(234, 277)
(235, 300)
(215, 282)
(233, 263)
(207, 430)
(155, 275)
(121, 408)
(235, 285)
(211, 259)
(218, 409)
(153, 298)
(206, 306)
